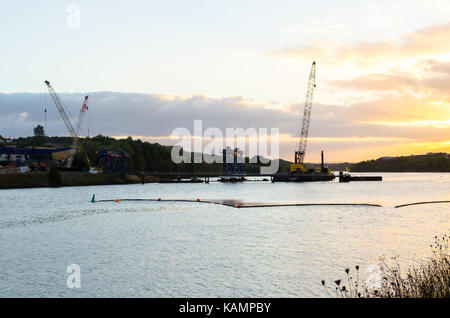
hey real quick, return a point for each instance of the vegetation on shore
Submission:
(65, 179)
(429, 280)
(153, 157)
(424, 163)
(54, 177)
(144, 156)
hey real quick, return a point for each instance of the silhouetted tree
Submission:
(39, 131)
(39, 135)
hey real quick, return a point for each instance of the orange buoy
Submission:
(198, 200)
(117, 200)
(159, 199)
(238, 205)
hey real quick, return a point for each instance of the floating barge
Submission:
(304, 177)
(180, 180)
(231, 179)
(310, 175)
(347, 178)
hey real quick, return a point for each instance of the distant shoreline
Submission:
(69, 179)
(78, 179)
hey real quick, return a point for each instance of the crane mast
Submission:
(301, 152)
(73, 133)
(75, 144)
(61, 109)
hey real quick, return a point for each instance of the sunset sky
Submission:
(383, 70)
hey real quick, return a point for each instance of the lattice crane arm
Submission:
(73, 133)
(300, 154)
(61, 109)
(75, 145)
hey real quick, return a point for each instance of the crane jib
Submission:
(300, 154)
(73, 133)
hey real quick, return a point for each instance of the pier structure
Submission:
(113, 161)
(232, 161)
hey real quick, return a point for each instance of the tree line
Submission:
(143, 156)
(422, 163)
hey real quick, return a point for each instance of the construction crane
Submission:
(300, 154)
(75, 144)
(72, 131)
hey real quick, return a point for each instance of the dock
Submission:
(343, 178)
(303, 177)
(238, 177)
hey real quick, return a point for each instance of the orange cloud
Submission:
(431, 40)
(433, 80)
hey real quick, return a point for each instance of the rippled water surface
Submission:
(164, 249)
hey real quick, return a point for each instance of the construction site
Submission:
(115, 161)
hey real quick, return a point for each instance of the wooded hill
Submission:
(144, 156)
(439, 162)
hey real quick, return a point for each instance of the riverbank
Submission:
(431, 279)
(68, 179)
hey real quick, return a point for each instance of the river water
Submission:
(166, 249)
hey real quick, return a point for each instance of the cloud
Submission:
(123, 114)
(426, 77)
(427, 41)
(439, 67)
(406, 110)
(344, 132)
(405, 84)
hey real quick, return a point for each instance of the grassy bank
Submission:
(431, 279)
(41, 179)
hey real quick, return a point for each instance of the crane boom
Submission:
(61, 109)
(75, 145)
(73, 133)
(300, 154)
